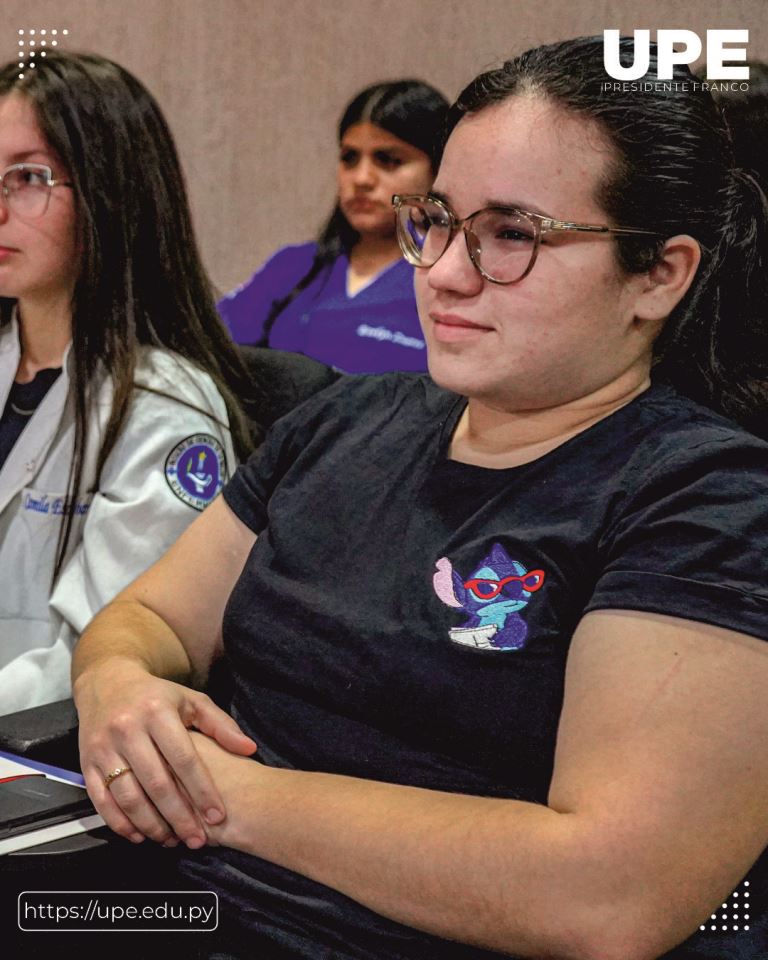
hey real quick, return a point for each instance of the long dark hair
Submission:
(409, 109)
(674, 174)
(141, 281)
(746, 114)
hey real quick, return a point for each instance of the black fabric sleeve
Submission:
(692, 541)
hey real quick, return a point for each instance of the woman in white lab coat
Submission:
(117, 420)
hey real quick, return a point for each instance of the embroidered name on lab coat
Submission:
(54, 506)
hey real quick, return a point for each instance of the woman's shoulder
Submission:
(360, 413)
(172, 380)
(298, 253)
(666, 440)
(174, 406)
(374, 402)
(286, 265)
(681, 425)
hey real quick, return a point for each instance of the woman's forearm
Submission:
(132, 672)
(506, 875)
(168, 621)
(126, 630)
(136, 715)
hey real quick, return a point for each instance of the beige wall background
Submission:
(253, 88)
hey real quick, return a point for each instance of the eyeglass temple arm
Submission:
(547, 223)
(592, 228)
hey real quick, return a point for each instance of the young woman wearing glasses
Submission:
(500, 642)
(348, 298)
(116, 426)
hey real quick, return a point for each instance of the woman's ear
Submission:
(667, 282)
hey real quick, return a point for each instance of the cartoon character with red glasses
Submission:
(492, 597)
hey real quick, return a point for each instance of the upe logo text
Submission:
(666, 41)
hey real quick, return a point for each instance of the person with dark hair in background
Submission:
(746, 113)
(117, 422)
(501, 641)
(347, 299)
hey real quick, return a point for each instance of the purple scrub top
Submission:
(374, 331)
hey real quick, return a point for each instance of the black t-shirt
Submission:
(407, 618)
(23, 400)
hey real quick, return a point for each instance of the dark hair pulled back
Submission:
(746, 115)
(674, 174)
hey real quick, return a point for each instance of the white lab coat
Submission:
(118, 531)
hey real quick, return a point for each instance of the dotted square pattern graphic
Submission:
(733, 915)
(35, 42)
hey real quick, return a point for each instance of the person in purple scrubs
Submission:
(347, 299)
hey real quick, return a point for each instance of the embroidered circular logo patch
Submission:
(196, 469)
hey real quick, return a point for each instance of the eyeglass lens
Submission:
(502, 242)
(26, 190)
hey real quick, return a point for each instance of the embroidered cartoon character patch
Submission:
(492, 597)
(196, 469)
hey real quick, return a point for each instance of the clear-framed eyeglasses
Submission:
(26, 188)
(502, 242)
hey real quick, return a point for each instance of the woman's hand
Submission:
(235, 777)
(132, 720)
